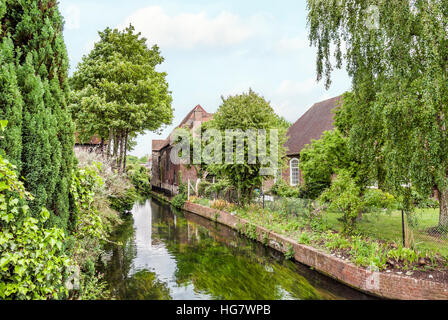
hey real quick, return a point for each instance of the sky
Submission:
(213, 49)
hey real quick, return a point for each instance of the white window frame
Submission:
(291, 172)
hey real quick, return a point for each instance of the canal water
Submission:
(166, 254)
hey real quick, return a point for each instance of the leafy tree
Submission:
(345, 196)
(246, 111)
(118, 92)
(398, 66)
(320, 159)
(34, 74)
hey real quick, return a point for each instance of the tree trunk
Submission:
(120, 156)
(109, 144)
(125, 150)
(443, 216)
(115, 150)
(102, 147)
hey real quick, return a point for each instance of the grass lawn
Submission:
(388, 227)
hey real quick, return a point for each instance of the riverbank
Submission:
(168, 254)
(380, 284)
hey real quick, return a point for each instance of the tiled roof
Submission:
(205, 116)
(95, 140)
(311, 125)
(159, 144)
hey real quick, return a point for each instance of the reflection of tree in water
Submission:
(214, 259)
(118, 268)
(223, 273)
(144, 285)
(226, 270)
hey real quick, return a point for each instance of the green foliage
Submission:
(220, 187)
(282, 189)
(178, 201)
(118, 91)
(398, 104)
(33, 94)
(304, 238)
(123, 203)
(88, 220)
(290, 253)
(368, 254)
(140, 178)
(289, 206)
(405, 255)
(336, 241)
(32, 259)
(320, 160)
(92, 225)
(93, 288)
(345, 196)
(246, 111)
(11, 102)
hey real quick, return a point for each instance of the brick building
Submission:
(310, 126)
(96, 144)
(165, 174)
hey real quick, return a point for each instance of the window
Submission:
(294, 175)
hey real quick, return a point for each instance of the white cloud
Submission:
(72, 15)
(187, 30)
(292, 45)
(294, 88)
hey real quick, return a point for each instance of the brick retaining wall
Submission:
(385, 285)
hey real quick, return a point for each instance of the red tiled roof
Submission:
(159, 144)
(206, 116)
(95, 140)
(311, 125)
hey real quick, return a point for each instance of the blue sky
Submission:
(213, 49)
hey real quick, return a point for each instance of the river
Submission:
(165, 254)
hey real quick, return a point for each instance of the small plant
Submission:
(193, 199)
(178, 201)
(251, 231)
(304, 238)
(218, 204)
(335, 241)
(405, 255)
(290, 253)
(265, 239)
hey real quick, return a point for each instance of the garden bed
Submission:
(402, 281)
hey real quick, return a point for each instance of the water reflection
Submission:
(172, 255)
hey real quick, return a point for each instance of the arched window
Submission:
(294, 176)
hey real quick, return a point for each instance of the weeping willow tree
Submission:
(396, 53)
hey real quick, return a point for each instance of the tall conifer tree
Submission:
(36, 47)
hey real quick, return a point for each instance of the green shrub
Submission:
(304, 238)
(290, 253)
(33, 264)
(282, 189)
(123, 203)
(140, 178)
(178, 201)
(406, 255)
(345, 196)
